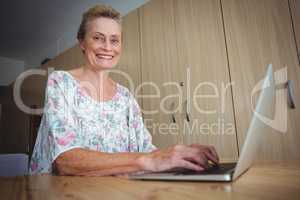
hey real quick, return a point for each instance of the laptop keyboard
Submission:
(213, 169)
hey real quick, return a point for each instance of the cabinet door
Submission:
(258, 33)
(202, 51)
(161, 73)
(128, 70)
(295, 9)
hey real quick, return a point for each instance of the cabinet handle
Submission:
(187, 116)
(290, 97)
(173, 119)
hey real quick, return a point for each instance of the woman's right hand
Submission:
(194, 157)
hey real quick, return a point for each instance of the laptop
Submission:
(229, 171)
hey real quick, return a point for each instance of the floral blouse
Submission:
(73, 119)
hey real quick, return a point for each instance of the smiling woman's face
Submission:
(102, 43)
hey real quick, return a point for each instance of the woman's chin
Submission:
(105, 65)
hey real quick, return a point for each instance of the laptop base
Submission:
(223, 172)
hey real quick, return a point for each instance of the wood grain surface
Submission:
(267, 180)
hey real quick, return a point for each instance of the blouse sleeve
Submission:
(63, 132)
(143, 137)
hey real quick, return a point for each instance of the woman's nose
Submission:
(107, 45)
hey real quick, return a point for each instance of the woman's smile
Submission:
(104, 56)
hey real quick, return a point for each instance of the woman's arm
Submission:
(93, 163)
(85, 162)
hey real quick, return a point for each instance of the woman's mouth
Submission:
(104, 56)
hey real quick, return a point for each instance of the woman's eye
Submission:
(114, 41)
(97, 38)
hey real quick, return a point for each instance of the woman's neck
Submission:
(97, 77)
(94, 74)
(98, 83)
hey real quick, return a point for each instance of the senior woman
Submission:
(92, 126)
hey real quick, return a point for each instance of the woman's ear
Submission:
(81, 45)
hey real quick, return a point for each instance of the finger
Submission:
(214, 152)
(189, 165)
(195, 145)
(211, 157)
(199, 160)
(210, 148)
(193, 155)
(208, 151)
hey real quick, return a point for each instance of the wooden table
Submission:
(269, 180)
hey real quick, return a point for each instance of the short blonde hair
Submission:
(94, 13)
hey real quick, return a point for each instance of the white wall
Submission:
(9, 70)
